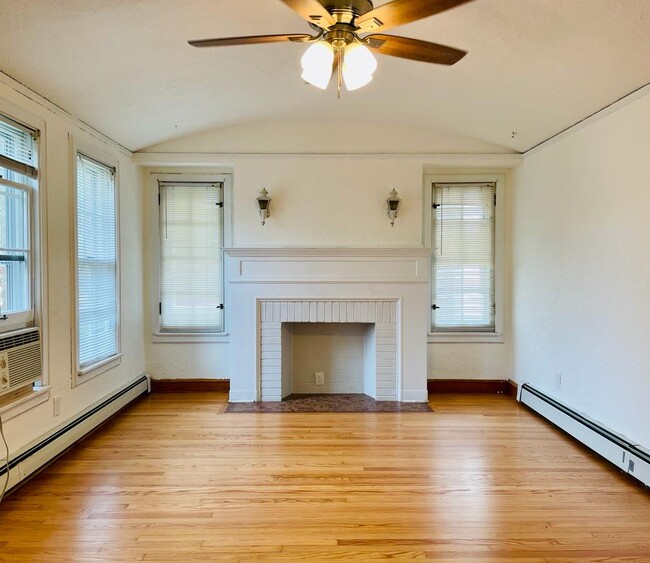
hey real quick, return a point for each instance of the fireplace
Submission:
(275, 293)
(380, 367)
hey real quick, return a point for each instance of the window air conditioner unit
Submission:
(21, 363)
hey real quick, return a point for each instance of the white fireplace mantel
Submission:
(257, 276)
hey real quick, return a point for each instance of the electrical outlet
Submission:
(56, 405)
(320, 378)
(630, 466)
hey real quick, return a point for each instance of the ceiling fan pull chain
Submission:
(339, 69)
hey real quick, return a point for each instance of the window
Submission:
(463, 241)
(97, 283)
(191, 219)
(18, 175)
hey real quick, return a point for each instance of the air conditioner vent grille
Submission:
(24, 364)
(20, 339)
(21, 361)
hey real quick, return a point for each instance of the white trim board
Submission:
(60, 112)
(500, 161)
(592, 118)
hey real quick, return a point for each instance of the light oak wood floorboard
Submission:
(175, 479)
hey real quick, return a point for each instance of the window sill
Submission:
(180, 338)
(465, 337)
(35, 397)
(98, 368)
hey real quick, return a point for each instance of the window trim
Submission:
(499, 179)
(79, 146)
(157, 335)
(25, 318)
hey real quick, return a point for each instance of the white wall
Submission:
(321, 201)
(57, 188)
(582, 270)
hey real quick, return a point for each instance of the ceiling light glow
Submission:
(359, 65)
(317, 64)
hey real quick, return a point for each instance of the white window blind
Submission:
(18, 162)
(191, 262)
(97, 284)
(463, 257)
(17, 151)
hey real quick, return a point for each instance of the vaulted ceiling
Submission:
(534, 68)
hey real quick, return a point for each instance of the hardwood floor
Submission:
(175, 479)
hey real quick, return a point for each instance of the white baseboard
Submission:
(414, 396)
(242, 396)
(39, 453)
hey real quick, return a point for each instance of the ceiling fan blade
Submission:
(313, 11)
(414, 49)
(250, 40)
(400, 12)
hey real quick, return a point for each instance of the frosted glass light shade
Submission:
(359, 64)
(317, 64)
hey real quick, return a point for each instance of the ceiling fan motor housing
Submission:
(346, 10)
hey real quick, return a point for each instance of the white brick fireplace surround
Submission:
(384, 289)
(381, 357)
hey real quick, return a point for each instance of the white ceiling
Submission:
(534, 67)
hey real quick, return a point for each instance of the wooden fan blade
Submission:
(400, 12)
(250, 40)
(414, 49)
(313, 11)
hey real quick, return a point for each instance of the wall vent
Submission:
(21, 361)
(626, 455)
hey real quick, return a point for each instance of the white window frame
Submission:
(499, 248)
(38, 233)
(154, 221)
(23, 319)
(79, 146)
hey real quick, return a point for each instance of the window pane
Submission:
(191, 266)
(463, 257)
(13, 176)
(96, 262)
(14, 250)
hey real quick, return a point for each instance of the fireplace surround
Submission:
(268, 290)
(380, 368)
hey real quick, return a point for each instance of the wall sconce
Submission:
(264, 203)
(392, 203)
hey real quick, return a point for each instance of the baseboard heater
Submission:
(37, 455)
(626, 455)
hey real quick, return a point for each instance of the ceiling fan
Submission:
(340, 45)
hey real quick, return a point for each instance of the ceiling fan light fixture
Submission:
(317, 64)
(359, 65)
(342, 45)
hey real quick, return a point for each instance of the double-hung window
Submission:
(97, 272)
(18, 174)
(191, 220)
(463, 233)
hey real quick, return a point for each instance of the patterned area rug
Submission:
(339, 402)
